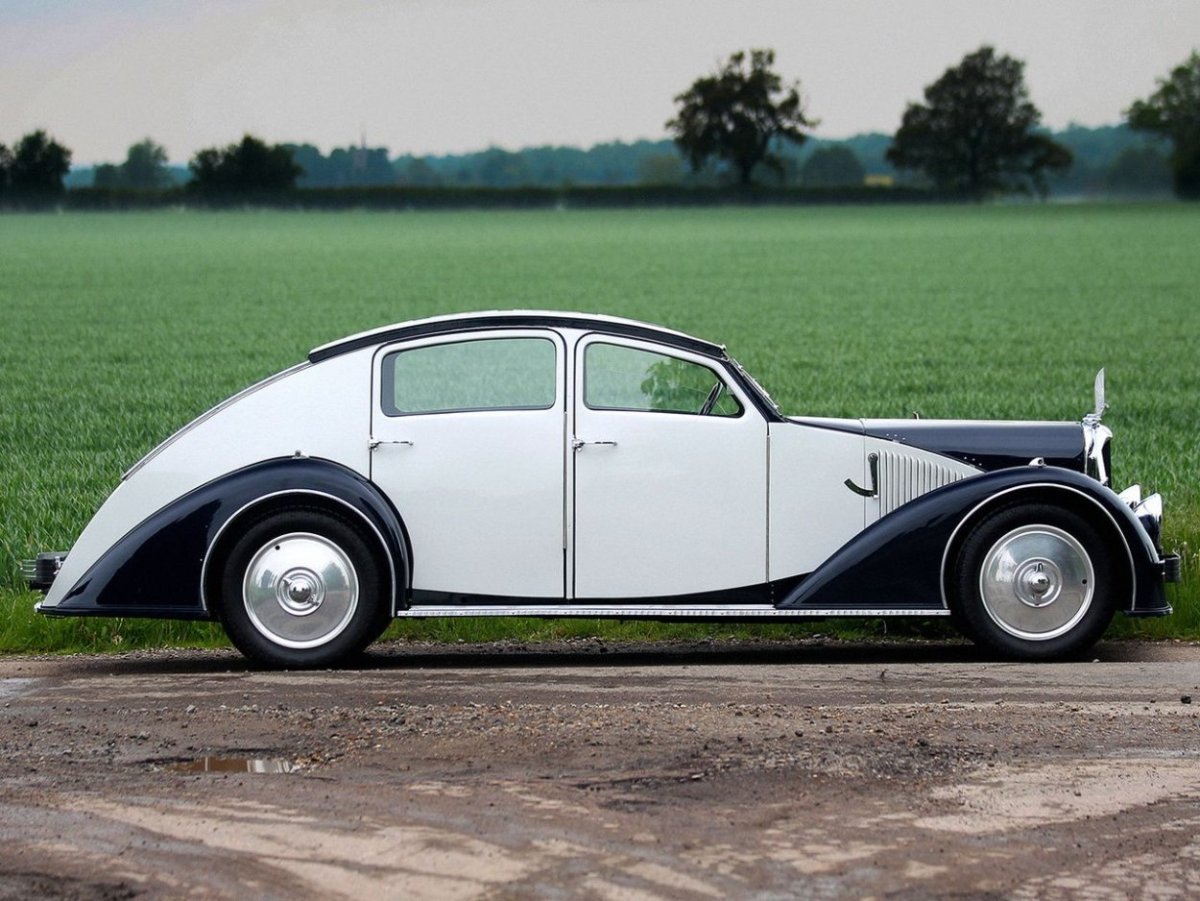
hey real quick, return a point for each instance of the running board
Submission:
(660, 611)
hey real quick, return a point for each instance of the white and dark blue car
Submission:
(567, 465)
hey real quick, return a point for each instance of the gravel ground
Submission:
(580, 769)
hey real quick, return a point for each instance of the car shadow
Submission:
(595, 654)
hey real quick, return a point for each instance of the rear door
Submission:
(469, 443)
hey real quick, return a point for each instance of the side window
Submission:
(625, 378)
(485, 374)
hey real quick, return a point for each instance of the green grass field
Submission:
(120, 328)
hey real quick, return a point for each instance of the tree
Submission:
(660, 169)
(1173, 111)
(832, 167)
(145, 168)
(1139, 171)
(106, 175)
(38, 166)
(417, 173)
(249, 167)
(5, 168)
(501, 169)
(738, 114)
(974, 134)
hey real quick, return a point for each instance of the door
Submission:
(469, 442)
(670, 474)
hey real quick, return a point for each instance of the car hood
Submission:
(986, 445)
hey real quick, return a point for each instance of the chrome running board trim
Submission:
(715, 611)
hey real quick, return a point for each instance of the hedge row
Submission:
(441, 198)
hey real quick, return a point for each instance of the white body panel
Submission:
(480, 492)
(320, 411)
(677, 506)
(813, 513)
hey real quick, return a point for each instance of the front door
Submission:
(468, 442)
(670, 466)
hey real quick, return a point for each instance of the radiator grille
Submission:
(903, 478)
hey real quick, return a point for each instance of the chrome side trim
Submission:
(293, 491)
(723, 611)
(990, 500)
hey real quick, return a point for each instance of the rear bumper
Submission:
(1172, 568)
(39, 573)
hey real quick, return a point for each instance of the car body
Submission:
(562, 464)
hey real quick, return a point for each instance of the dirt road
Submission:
(583, 770)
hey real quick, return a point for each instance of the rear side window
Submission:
(487, 374)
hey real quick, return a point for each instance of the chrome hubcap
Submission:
(300, 590)
(1037, 582)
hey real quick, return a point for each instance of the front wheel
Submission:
(302, 588)
(1034, 582)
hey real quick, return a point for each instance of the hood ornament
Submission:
(1099, 405)
(1097, 436)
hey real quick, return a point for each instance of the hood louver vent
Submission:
(903, 478)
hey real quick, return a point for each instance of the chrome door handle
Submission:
(578, 444)
(375, 442)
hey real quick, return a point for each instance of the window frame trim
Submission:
(386, 390)
(586, 342)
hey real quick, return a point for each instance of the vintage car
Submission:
(569, 465)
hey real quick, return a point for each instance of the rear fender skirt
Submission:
(900, 561)
(158, 568)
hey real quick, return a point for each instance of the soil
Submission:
(584, 769)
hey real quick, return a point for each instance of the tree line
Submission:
(977, 134)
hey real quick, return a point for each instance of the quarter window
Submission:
(486, 374)
(626, 378)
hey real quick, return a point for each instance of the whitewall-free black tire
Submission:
(301, 587)
(1034, 582)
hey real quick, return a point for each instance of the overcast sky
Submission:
(448, 76)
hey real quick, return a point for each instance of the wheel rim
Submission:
(1037, 582)
(300, 590)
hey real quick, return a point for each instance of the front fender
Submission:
(156, 569)
(901, 561)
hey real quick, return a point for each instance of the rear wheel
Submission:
(1035, 582)
(302, 588)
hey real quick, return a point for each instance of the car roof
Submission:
(468, 322)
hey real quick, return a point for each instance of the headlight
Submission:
(1149, 512)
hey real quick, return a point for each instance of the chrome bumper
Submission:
(1149, 512)
(1172, 568)
(39, 573)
